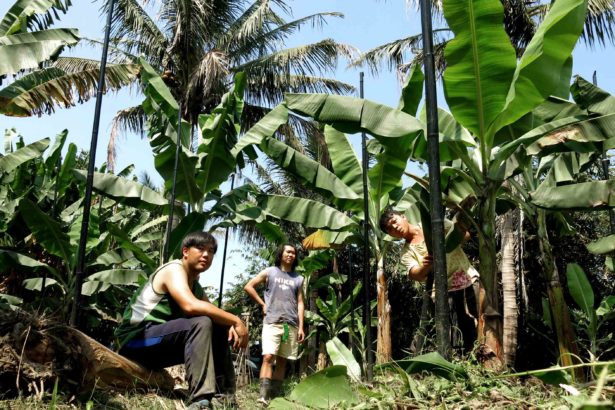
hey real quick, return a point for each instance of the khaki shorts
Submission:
(273, 344)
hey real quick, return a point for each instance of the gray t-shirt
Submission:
(281, 296)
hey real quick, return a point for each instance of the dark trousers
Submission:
(463, 306)
(198, 343)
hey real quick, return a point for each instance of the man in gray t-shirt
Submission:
(283, 324)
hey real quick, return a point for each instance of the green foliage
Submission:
(42, 215)
(322, 390)
(341, 356)
(430, 362)
(591, 321)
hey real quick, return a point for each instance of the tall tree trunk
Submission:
(511, 312)
(560, 315)
(383, 348)
(490, 319)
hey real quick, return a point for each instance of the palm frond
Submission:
(269, 89)
(131, 22)
(263, 42)
(599, 23)
(131, 119)
(438, 55)
(207, 83)
(69, 81)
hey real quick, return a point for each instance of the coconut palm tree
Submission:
(199, 45)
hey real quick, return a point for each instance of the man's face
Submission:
(288, 255)
(397, 226)
(199, 257)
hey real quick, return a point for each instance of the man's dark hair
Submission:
(199, 239)
(386, 216)
(280, 251)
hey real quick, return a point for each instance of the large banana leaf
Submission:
(55, 153)
(21, 11)
(305, 211)
(93, 237)
(28, 50)
(535, 78)
(265, 128)
(100, 281)
(314, 174)
(412, 91)
(219, 131)
(123, 190)
(352, 115)
(14, 159)
(9, 259)
(324, 389)
(595, 195)
(480, 63)
(341, 355)
(156, 89)
(346, 164)
(592, 98)
(47, 231)
(124, 241)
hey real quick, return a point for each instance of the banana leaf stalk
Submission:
(167, 240)
(87, 202)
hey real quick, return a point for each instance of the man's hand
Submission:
(238, 334)
(427, 261)
(264, 309)
(300, 335)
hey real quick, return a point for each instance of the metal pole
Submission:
(443, 325)
(605, 169)
(366, 311)
(87, 200)
(178, 142)
(224, 253)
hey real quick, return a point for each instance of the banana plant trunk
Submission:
(560, 315)
(490, 319)
(509, 288)
(384, 347)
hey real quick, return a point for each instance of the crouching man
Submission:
(170, 321)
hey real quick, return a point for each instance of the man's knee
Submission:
(201, 324)
(268, 358)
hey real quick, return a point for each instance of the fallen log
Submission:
(35, 352)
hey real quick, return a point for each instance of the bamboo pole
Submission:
(87, 200)
(443, 325)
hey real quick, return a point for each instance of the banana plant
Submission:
(21, 49)
(41, 212)
(492, 94)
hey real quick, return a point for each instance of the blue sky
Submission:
(367, 23)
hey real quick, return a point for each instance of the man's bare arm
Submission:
(174, 281)
(250, 289)
(300, 313)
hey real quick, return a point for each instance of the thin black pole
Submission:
(351, 280)
(87, 200)
(443, 325)
(366, 311)
(224, 252)
(605, 169)
(178, 142)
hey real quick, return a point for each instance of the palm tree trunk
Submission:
(511, 311)
(384, 347)
(490, 319)
(568, 350)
